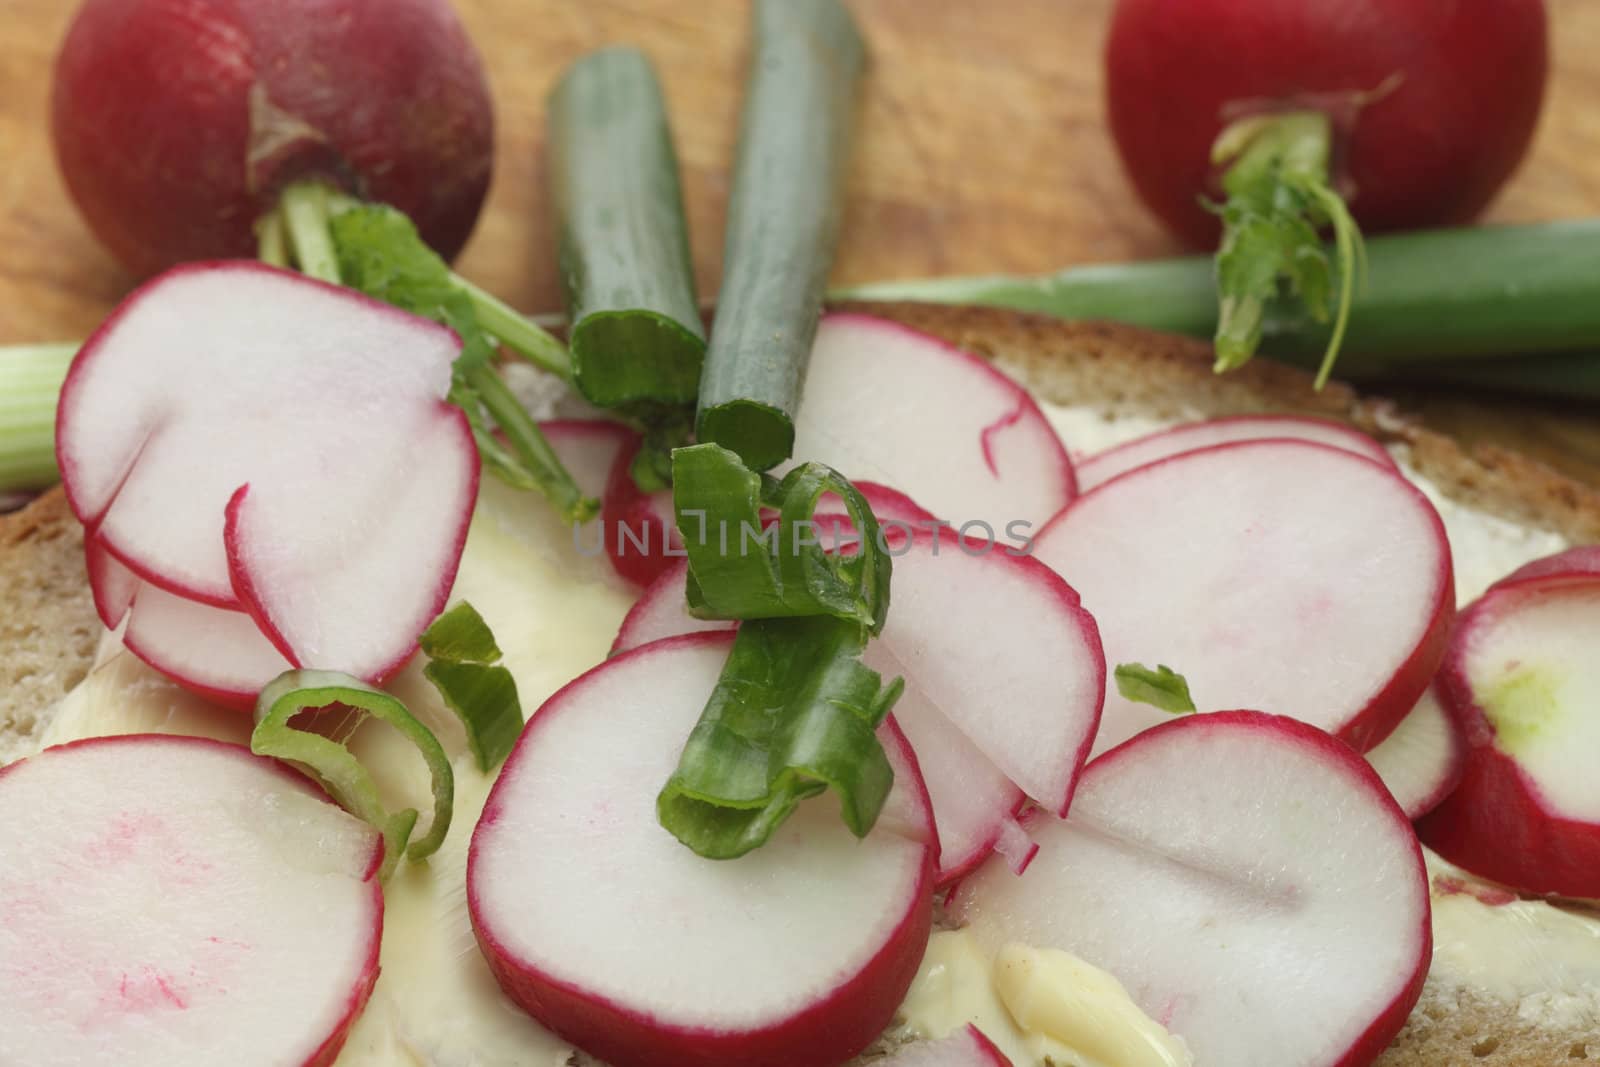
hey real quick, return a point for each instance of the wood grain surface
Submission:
(981, 148)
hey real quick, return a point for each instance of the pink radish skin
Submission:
(1527, 810)
(1103, 466)
(160, 920)
(967, 444)
(1243, 566)
(748, 999)
(178, 122)
(631, 517)
(968, 1047)
(1247, 878)
(299, 440)
(1424, 759)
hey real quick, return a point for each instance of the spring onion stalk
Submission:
(1162, 687)
(793, 714)
(335, 767)
(464, 666)
(1428, 297)
(783, 223)
(30, 381)
(380, 253)
(636, 334)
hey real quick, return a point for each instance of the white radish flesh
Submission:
(1523, 682)
(605, 928)
(1247, 878)
(1101, 467)
(588, 448)
(165, 898)
(1423, 759)
(1279, 575)
(249, 439)
(987, 735)
(884, 403)
(220, 653)
(965, 1048)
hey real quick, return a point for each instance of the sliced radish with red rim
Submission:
(606, 929)
(1423, 760)
(1246, 877)
(1522, 681)
(1280, 575)
(167, 897)
(247, 439)
(887, 404)
(589, 449)
(1103, 466)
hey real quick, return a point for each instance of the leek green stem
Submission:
(30, 382)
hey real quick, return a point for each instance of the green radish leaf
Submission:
(464, 666)
(1279, 198)
(335, 767)
(793, 714)
(1162, 688)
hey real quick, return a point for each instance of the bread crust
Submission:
(48, 627)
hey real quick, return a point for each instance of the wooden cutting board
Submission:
(981, 149)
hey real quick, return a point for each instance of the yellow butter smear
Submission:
(1041, 1007)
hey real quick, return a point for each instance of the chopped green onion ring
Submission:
(464, 666)
(333, 765)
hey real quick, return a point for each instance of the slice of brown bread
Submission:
(48, 627)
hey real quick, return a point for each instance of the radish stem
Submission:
(30, 380)
(272, 244)
(515, 331)
(528, 444)
(305, 213)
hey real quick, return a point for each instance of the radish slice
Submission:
(219, 653)
(164, 898)
(1247, 878)
(1521, 680)
(966, 1047)
(661, 611)
(1281, 575)
(804, 947)
(640, 529)
(1104, 466)
(588, 448)
(214, 375)
(354, 597)
(966, 442)
(986, 738)
(1423, 760)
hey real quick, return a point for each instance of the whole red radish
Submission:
(1433, 104)
(177, 122)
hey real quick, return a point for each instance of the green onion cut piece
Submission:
(636, 334)
(333, 765)
(1429, 297)
(783, 223)
(30, 382)
(1162, 688)
(381, 254)
(741, 568)
(464, 666)
(793, 714)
